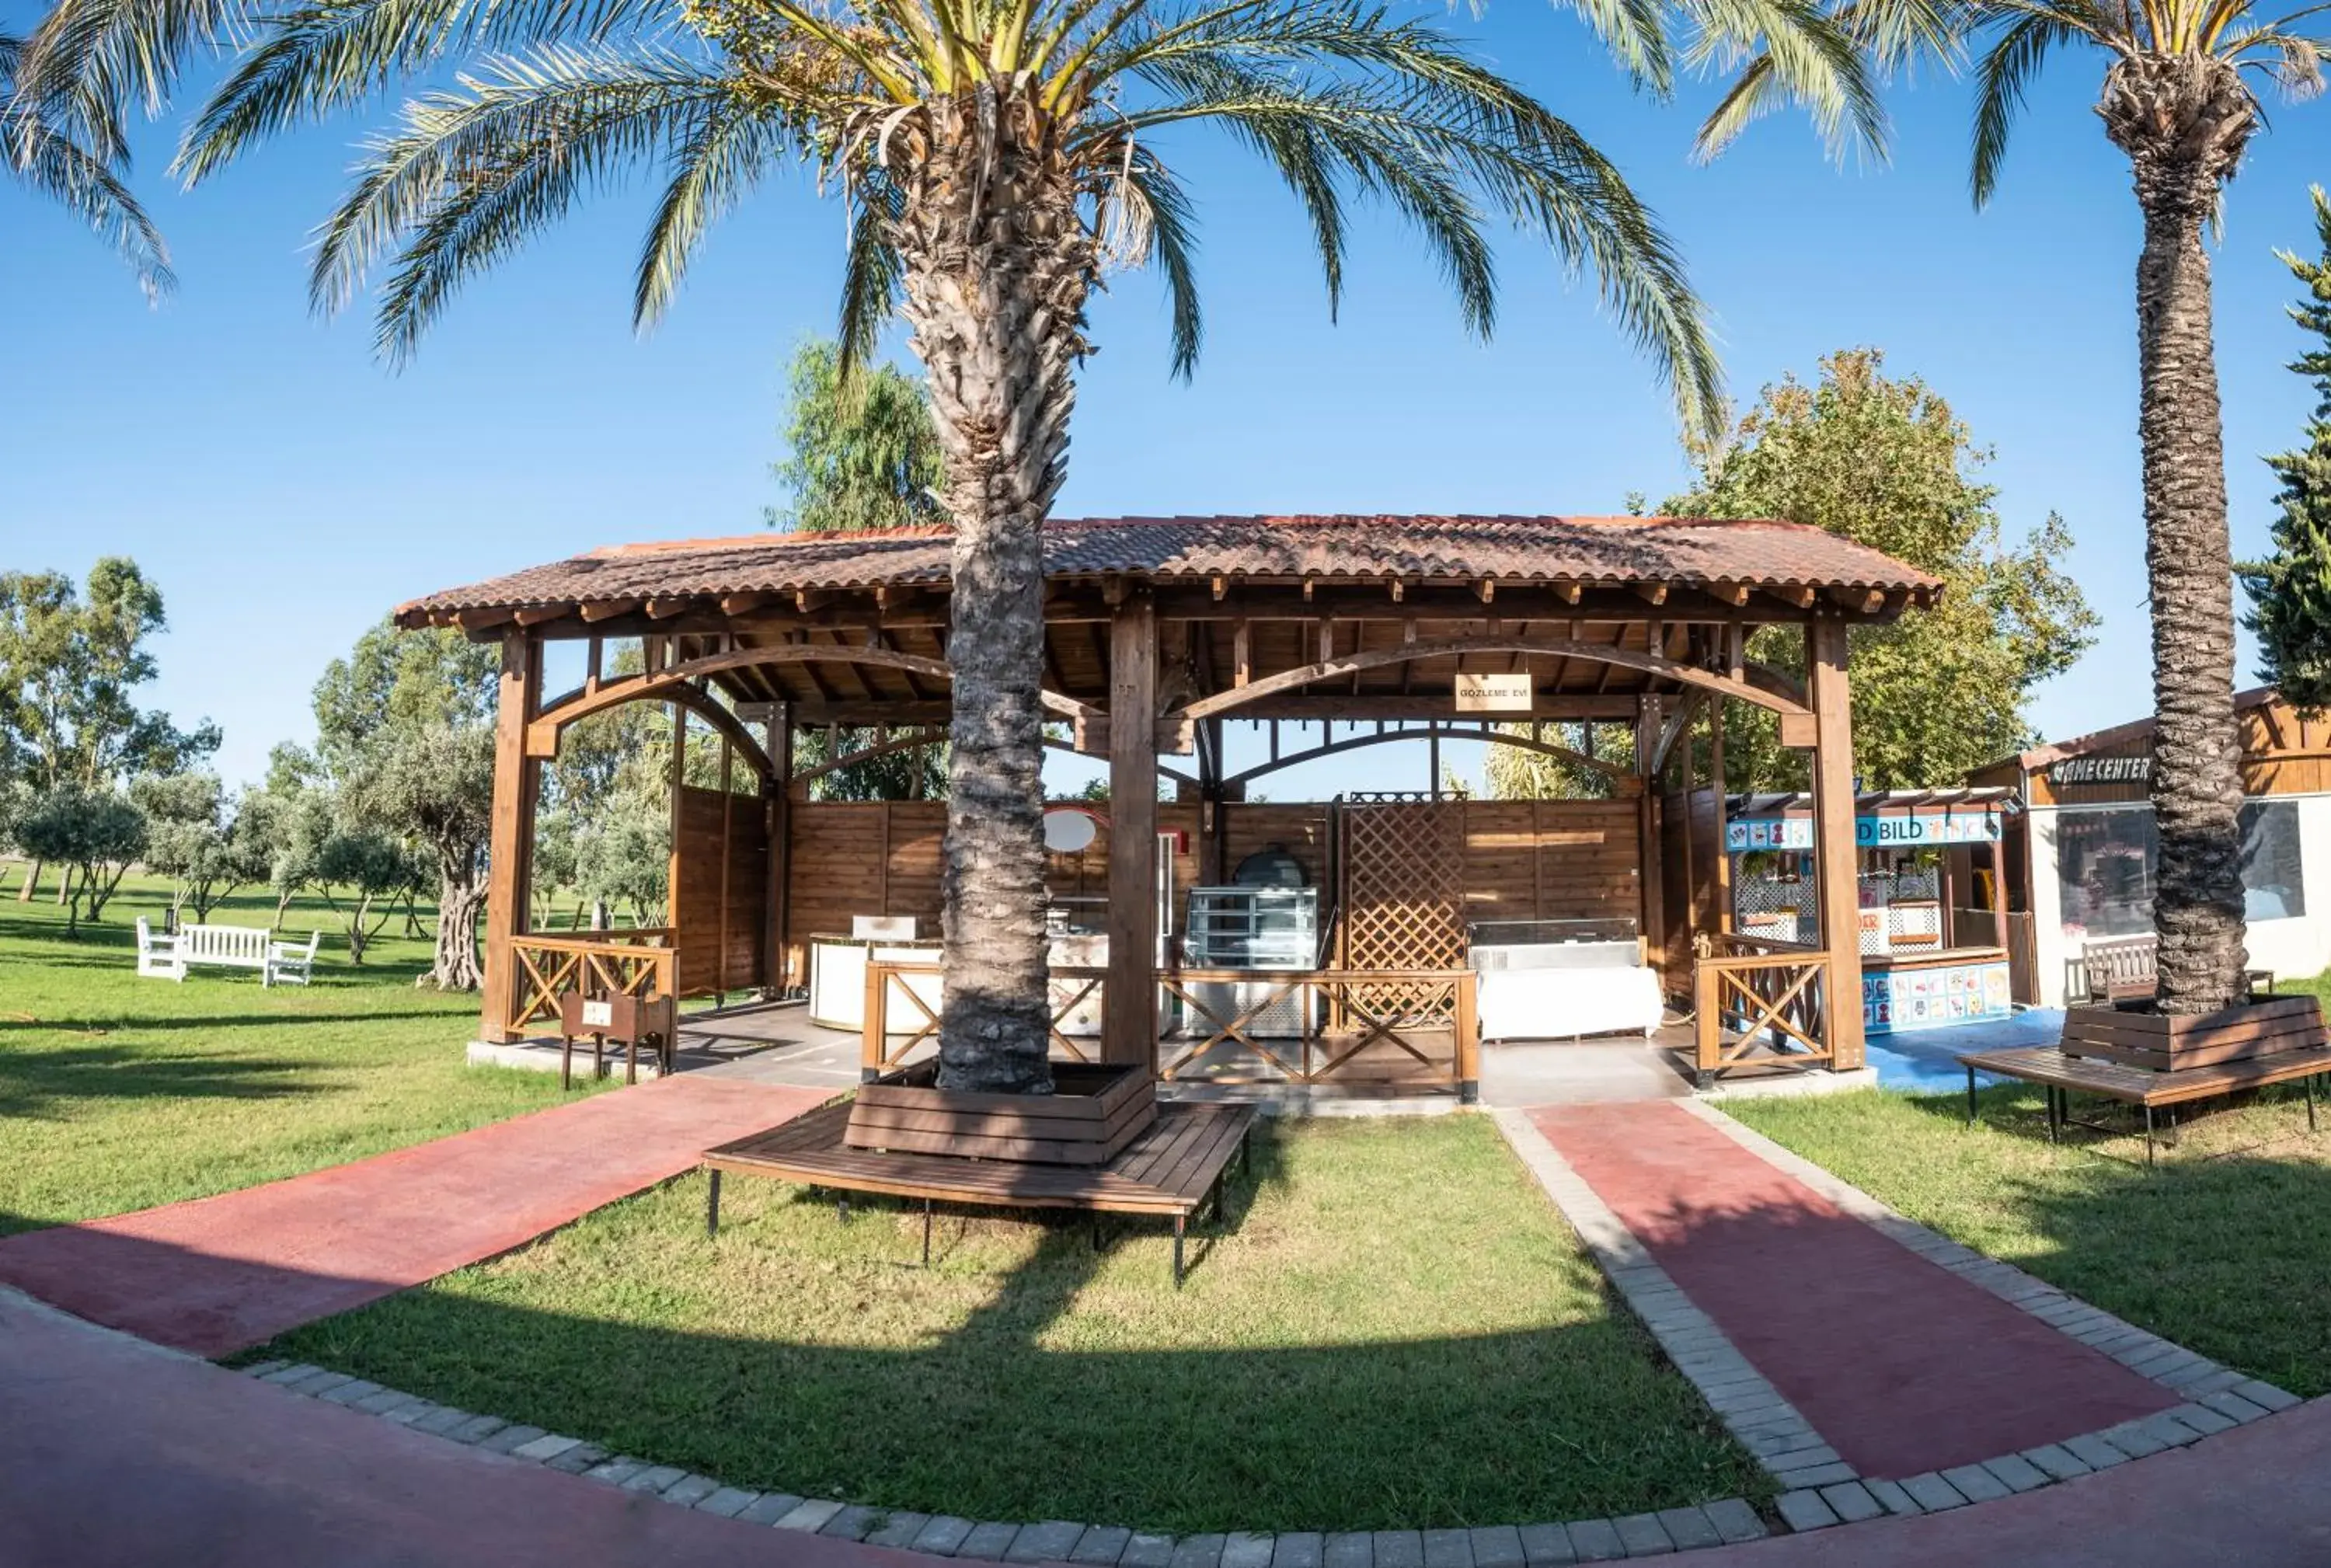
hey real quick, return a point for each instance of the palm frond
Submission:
(474, 173)
(1799, 55)
(2002, 78)
(1435, 136)
(1636, 34)
(45, 156)
(91, 59)
(725, 152)
(871, 271)
(1172, 250)
(321, 58)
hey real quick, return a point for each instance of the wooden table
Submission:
(1170, 1170)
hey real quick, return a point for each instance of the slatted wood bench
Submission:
(2158, 1063)
(1171, 1170)
(2122, 969)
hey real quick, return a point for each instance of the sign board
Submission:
(598, 1014)
(1978, 827)
(1769, 833)
(1479, 691)
(2100, 770)
(1955, 828)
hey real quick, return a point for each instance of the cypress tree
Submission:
(2290, 591)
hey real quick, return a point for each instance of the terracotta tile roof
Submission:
(1688, 551)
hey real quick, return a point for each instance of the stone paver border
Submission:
(1819, 1489)
(1545, 1545)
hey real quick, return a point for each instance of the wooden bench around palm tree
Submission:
(2126, 969)
(2159, 1062)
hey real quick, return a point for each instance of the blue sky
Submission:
(286, 490)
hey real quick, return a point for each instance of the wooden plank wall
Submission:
(718, 953)
(1552, 860)
(1524, 859)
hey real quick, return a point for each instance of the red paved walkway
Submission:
(1901, 1365)
(115, 1453)
(223, 1274)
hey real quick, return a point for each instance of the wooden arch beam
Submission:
(731, 728)
(1626, 779)
(909, 740)
(1222, 702)
(903, 740)
(542, 733)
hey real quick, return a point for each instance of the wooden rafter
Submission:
(1616, 655)
(542, 735)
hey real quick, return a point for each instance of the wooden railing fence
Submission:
(631, 962)
(1432, 1040)
(1759, 1002)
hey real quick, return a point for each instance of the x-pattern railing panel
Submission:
(887, 1041)
(548, 967)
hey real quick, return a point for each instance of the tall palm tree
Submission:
(75, 160)
(2178, 101)
(996, 160)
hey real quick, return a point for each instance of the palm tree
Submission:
(996, 160)
(2177, 101)
(74, 160)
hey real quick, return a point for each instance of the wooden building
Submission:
(1332, 634)
(2081, 853)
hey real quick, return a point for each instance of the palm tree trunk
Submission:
(997, 266)
(2182, 123)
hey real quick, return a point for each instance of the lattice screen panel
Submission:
(1404, 900)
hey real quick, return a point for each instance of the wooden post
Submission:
(1469, 1040)
(728, 822)
(1999, 889)
(510, 862)
(1129, 999)
(1723, 879)
(1650, 908)
(776, 967)
(1834, 853)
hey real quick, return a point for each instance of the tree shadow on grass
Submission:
(143, 1023)
(2222, 1245)
(1161, 1411)
(40, 1083)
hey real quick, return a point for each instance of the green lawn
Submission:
(1396, 1332)
(2226, 1247)
(117, 1092)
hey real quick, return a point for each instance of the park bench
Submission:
(2118, 970)
(167, 956)
(1171, 1170)
(2158, 1063)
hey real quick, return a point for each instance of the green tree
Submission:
(94, 834)
(360, 871)
(207, 845)
(861, 449)
(2178, 103)
(405, 728)
(2290, 589)
(70, 663)
(1886, 463)
(996, 162)
(72, 153)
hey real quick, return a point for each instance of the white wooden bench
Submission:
(169, 957)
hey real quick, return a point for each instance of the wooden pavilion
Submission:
(1331, 633)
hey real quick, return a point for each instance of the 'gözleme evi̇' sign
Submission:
(1868, 832)
(1481, 692)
